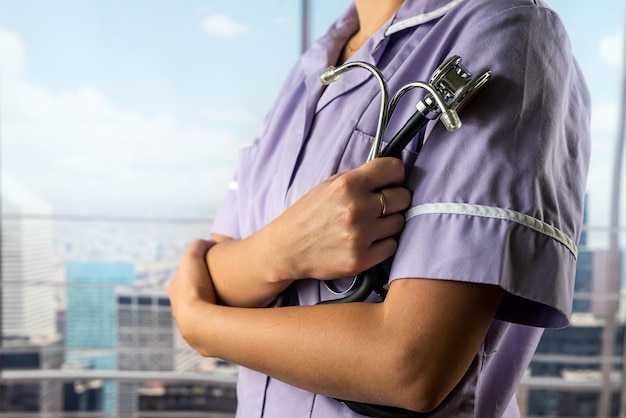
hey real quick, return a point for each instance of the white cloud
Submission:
(81, 123)
(237, 117)
(223, 26)
(604, 127)
(12, 56)
(18, 198)
(604, 118)
(611, 49)
(80, 153)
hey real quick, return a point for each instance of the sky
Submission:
(121, 108)
(138, 108)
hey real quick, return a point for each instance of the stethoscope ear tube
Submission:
(401, 139)
(449, 89)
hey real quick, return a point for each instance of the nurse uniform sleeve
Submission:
(500, 201)
(225, 221)
(241, 206)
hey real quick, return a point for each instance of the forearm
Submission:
(335, 230)
(244, 273)
(338, 350)
(408, 351)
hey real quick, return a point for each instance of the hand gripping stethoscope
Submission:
(449, 89)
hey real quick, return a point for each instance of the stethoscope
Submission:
(449, 89)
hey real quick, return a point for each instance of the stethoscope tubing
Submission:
(432, 107)
(375, 279)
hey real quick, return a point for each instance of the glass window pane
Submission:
(120, 127)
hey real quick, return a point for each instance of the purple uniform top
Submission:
(498, 201)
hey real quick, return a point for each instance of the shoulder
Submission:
(518, 37)
(490, 8)
(492, 33)
(514, 17)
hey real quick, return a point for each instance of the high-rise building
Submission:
(42, 353)
(90, 318)
(28, 300)
(209, 399)
(584, 284)
(145, 334)
(565, 377)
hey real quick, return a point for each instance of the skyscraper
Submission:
(28, 265)
(28, 301)
(90, 318)
(145, 332)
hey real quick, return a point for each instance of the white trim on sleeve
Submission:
(233, 185)
(496, 213)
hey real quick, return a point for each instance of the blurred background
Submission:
(120, 124)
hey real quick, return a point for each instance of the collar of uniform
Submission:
(414, 13)
(327, 49)
(410, 14)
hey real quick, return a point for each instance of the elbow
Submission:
(198, 345)
(421, 397)
(185, 319)
(421, 387)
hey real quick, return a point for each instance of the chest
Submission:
(317, 131)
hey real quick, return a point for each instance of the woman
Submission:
(487, 254)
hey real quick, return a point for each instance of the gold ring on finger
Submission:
(383, 204)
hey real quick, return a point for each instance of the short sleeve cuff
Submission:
(226, 221)
(532, 261)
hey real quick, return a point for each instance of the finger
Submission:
(199, 248)
(386, 227)
(193, 268)
(382, 250)
(389, 201)
(381, 172)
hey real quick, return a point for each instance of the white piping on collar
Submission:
(421, 19)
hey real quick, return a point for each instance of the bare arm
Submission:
(428, 330)
(335, 230)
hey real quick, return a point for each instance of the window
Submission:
(120, 124)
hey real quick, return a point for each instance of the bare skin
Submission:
(338, 222)
(429, 330)
(372, 15)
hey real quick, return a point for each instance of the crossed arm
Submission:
(408, 351)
